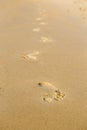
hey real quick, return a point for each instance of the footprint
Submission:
(38, 19)
(45, 40)
(43, 23)
(31, 56)
(36, 29)
(53, 94)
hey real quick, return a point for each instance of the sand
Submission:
(57, 29)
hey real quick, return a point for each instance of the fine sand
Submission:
(43, 41)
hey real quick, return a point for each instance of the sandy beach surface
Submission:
(43, 40)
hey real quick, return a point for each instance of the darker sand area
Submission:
(43, 41)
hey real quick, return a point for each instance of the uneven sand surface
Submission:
(57, 29)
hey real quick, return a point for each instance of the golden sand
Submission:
(62, 61)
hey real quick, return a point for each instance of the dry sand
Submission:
(62, 45)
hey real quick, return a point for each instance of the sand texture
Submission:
(43, 64)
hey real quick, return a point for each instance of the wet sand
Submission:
(57, 30)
